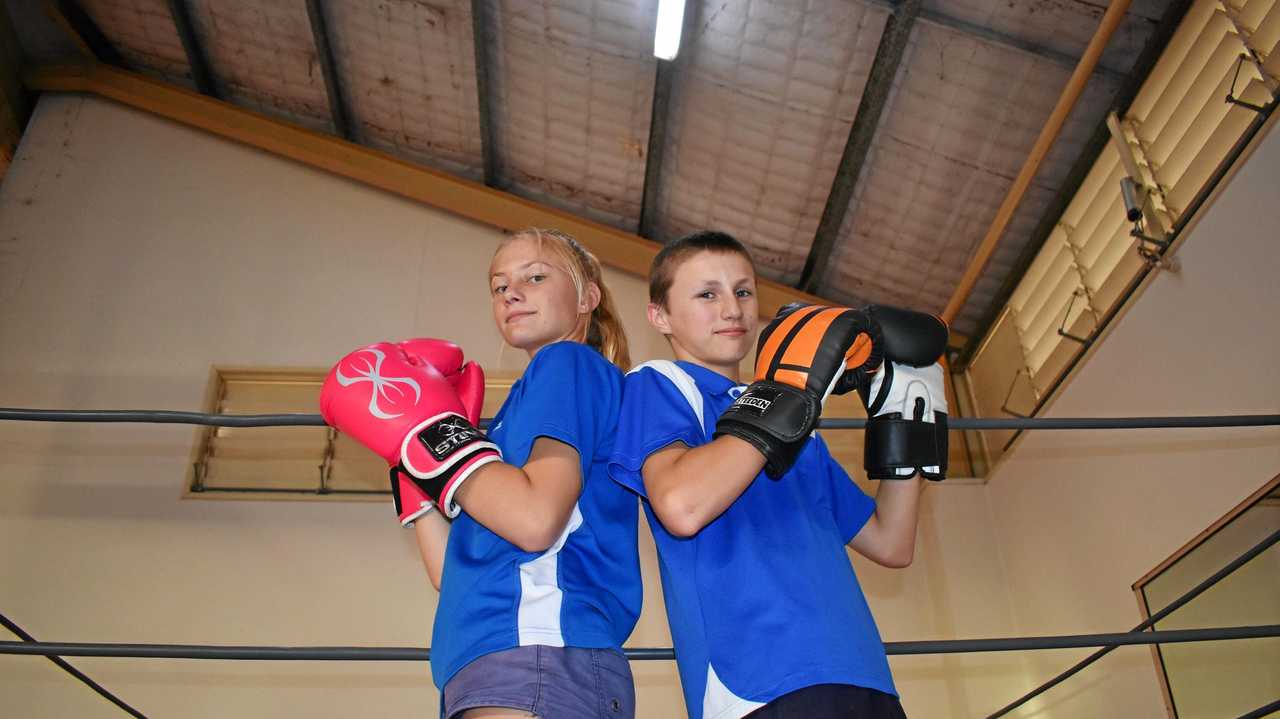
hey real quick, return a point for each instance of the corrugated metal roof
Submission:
(762, 103)
(962, 118)
(263, 58)
(408, 69)
(573, 85)
(1065, 26)
(760, 116)
(143, 32)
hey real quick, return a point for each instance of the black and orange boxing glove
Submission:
(805, 353)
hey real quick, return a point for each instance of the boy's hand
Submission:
(805, 353)
(906, 399)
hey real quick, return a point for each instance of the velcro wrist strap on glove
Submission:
(441, 453)
(894, 443)
(410, 501)
(775, 418)
(906, 423)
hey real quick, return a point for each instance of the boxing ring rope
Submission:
(55, 650)
(958, 423)
(66, 667)
(1262, 711)
(1173, 606)
(418, 654)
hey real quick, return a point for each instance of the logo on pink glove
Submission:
(382, 386)
(448, 435)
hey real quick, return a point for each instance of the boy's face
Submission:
(710, 314)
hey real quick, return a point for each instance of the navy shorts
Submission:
(832, 701)
(553, 682)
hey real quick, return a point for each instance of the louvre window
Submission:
(288, 461)
(1178, 130)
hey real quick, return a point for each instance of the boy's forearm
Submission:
(692, 489)
(898, 514)
(889, 536)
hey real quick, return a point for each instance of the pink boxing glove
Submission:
(411, 502)
(402, 407)
(467, 379)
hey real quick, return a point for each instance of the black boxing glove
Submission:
(801, 357)
(906, 397)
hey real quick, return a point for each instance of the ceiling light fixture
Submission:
(666, 41)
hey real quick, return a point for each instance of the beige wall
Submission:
(134, 254)
(1080, 516)
(138, 254)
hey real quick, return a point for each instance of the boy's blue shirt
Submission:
(763, 600)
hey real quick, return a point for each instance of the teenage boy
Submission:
(750, 513)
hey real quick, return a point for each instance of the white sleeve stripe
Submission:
(683, 382)
(541, 596)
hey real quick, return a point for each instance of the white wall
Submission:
(134, 254)
(1080, 516)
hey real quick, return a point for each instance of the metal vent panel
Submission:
(408, 71)
(142, 31)
(263, 57)
(1063, 26)
(962, 118)
(760, 116)
(572, 97)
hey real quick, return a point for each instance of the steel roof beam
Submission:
(875, 95)
(338, 108)
(201, 74)
(995, 37)
(86, 30)
(663, 81)
(481, 33)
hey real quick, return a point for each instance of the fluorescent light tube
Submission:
(666, 41)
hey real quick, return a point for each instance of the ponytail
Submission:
(605, 332)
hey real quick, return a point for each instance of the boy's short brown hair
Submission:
(663, 271)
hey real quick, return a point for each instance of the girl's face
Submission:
(535, 302)
(710, 314)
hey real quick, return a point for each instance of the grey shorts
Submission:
(552, 682)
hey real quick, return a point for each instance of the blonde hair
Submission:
(604, 330)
